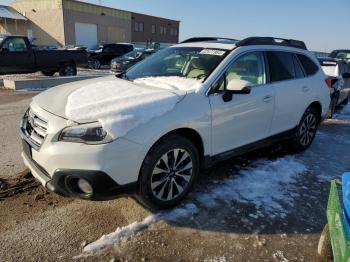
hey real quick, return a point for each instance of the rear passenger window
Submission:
(310, 68)
(281, 66)
(299, 73)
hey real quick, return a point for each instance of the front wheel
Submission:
(168, 172)
(306, 130)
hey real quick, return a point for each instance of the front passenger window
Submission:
(249, 67)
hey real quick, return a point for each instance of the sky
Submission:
(324, 25)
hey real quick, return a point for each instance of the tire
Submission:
(94, 64)
(332, 106)
(324, 248)
(306, 130)
(163, 183)
(48, 73)
(68, 69)
(346, 101)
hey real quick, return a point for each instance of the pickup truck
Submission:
(18, 56)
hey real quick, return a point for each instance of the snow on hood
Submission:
(120, 105)
(170, 82)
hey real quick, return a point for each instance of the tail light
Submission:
(330, 81)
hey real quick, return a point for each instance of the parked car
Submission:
(343, 54)
(184, 108)
(17, 56)
(103, 54)
(119, 65)
(340, 83)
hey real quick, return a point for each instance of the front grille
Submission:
(34, 127)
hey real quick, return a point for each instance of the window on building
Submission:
(176, 32)
(165, 30)
(136, 26)
(141, 27)
(154, 29)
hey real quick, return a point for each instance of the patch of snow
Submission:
(125, 233)
(119, 105)
(170, 82)
(265, 183)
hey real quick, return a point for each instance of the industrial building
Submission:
(70, 22)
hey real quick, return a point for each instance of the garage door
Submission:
(85, 34)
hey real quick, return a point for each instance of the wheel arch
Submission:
(317, 105)
(189, 133)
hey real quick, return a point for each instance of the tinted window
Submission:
(299, 73)
(281, 66)
(109, 49)
(310, 68)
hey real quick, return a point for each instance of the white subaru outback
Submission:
(184, 108)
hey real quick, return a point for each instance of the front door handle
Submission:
(306, 88)
(267, 99)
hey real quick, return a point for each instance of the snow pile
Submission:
(119, 105)
(127, 232)
(170, 82)
(265, 184)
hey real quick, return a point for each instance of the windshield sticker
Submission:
(212, 52)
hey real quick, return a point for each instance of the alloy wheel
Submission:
(307, 130)
(172, 174)
(69, 71)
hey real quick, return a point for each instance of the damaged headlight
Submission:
(88, 134)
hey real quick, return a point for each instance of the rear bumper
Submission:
(63, 182)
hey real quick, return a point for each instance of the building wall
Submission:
(112, 25)
(158, 35)
(45, 20)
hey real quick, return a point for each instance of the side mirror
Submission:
(236, 87)
(346, 75)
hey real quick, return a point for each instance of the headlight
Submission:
(126, 62)
(88, 134)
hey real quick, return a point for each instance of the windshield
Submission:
(194, 63)
(133, 54)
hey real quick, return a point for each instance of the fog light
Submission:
(85, 186)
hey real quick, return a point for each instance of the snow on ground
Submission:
(119, 105)
(265, 184)
(344, 114)
(125, 233)
(170, 82)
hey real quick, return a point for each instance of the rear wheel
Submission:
(168, 172)
(48, 73)
(94, 64)
(68, 69)
(306, 131)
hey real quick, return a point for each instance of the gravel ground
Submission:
(282, 225)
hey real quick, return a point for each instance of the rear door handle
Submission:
(267, 99)
(306, 88)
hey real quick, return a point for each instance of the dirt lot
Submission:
(264, 206)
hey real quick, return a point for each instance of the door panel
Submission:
(85, 34)
(247, 117)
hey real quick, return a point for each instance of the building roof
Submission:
(10, 13)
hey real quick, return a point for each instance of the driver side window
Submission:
(249, 67)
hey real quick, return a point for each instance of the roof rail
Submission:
(272, 41)
(205, 39)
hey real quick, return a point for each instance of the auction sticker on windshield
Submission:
(212, 52)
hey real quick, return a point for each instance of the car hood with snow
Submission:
(119, 105)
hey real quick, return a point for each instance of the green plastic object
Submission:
(336, 224)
